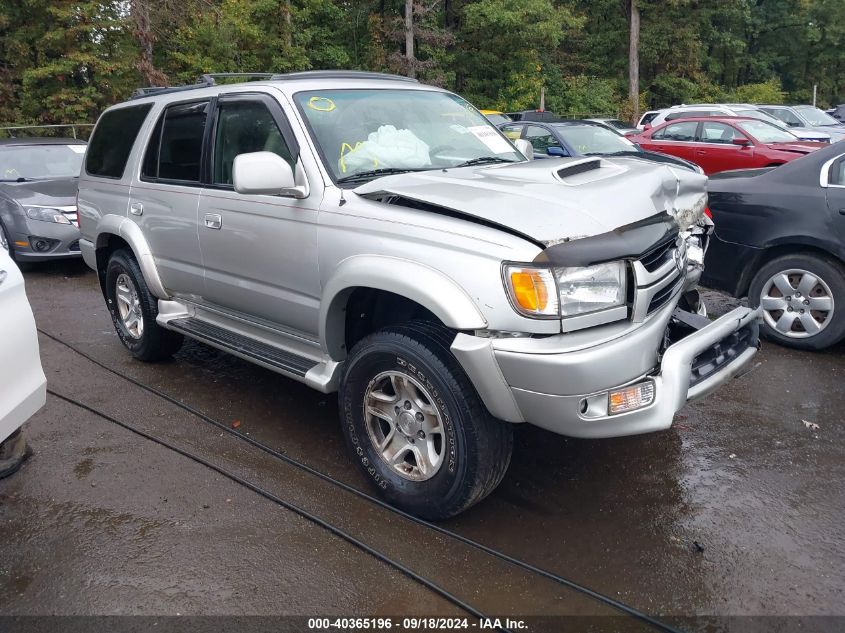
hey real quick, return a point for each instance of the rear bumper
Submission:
(563, 390)
(14, 418)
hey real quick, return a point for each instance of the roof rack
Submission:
(340, 74)
(210, 79)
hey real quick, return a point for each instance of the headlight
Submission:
(46, 214)
(551, 293)
(591, 289)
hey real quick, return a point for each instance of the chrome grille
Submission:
(658, 277)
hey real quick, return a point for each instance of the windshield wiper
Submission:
(375, 173)
(482, 160)
(624, 152)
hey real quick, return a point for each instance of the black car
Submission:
(780, 241)
(38, 182)
(576, 137)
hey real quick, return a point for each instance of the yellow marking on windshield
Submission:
(345, 149)
(321, 104)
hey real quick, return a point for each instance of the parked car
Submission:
(617, 126)
(802, 118)
(534, 115)
(719, 144)
(780, 241)
(38, 179)
(838, 112)
(583, 138)
(23, 386)
(377, 237)
(646, 119)
(734, 109)
(495, 117)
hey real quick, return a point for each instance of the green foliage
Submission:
(66, 60)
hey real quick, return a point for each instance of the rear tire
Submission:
(134, 309)
(407, 374)
(789, 287)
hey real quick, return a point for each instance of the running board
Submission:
(243, 346)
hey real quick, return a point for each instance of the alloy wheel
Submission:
(129, 306)
(404, 425)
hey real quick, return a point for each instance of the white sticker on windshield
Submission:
(79, 149)
(492, 139)
(460, 129)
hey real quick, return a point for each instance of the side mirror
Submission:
(744, 142)
(646, 127)
(556, 150)
(265, 173)
(525, 147)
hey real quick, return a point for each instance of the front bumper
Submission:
(61, 240)
(561, 383)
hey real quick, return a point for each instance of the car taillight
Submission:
(708, 212)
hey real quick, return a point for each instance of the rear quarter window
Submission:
(113, 138)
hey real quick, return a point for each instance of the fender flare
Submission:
(130, 232)
(420, 283)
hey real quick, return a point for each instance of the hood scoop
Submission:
(578, 167)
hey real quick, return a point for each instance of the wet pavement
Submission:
(737, 510)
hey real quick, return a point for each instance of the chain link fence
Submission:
(65, 130)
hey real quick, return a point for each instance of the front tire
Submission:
(134, 309)
(415, 424)
(803, 299)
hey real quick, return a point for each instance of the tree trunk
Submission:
(409, 37)
(634, 59)
(144, 35)
(288, 26)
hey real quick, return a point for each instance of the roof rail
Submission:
(205, 81)
(210, 79)
(340, 74)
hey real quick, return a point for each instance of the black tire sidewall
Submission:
(832, 274)
(121, 263)
(444, 488)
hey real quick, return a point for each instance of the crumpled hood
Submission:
(554, 200)
(58, 192)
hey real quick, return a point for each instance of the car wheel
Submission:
(803, 300)
(133, 310)
(415, 424)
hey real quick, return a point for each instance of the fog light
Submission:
(630, 398)
(41, 244)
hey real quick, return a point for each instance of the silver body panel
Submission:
(278, 271)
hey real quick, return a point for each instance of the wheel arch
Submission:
(114, 232)
(409, 281)
(775, 250)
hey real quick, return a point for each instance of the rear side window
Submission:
(174, 150)
(684, 131)
(109, 149)
(691, 113)
(648, 117)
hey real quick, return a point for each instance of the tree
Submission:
(634, 59)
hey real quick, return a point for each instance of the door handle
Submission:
(841, 211)
(136, 208)
(213, 220)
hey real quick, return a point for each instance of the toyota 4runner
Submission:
(370, 235)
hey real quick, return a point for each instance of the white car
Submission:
(730, 109)
(23, 386)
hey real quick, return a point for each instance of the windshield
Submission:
(766, 132)
(498, 118)
(361, 131)
(38, 162)
(594, 139)
(814, 116)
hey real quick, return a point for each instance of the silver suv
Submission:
(377, 237)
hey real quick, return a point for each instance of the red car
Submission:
(722, 143)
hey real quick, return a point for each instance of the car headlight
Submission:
(46, 214)
(591, 289)
(542, 292)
